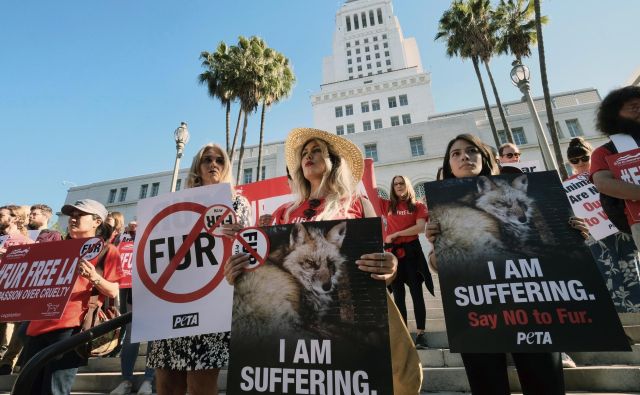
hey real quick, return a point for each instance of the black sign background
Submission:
(355, 321)
(531, 326)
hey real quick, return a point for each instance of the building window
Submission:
(371, 151)
(349, 53)
(366, 40)
(350, 69)
(339, 130)
(366, 49)
(368, 66)
(358, 59)
(112, 196)
(519, 137)
(377, 123)
(379, 15)
(395, 121)
(351, 128)
(502, 136)
(143, 191)
(368, 57)
(155, 188)
(403, 100)
(123, 194)
(338, 112)
(261, 173)
(348, 20)
(348, 45)
(392, 102)
(375, 105)
(406, 119)
(364, 106)
(375, 38)
(386, 53)
(359, 68)
(248, 176)
(416, 146)
(348, 109)
(377, 56)
(357, 42)
(574, 127)
(378, 64)
(178, 184)
(389, 70)
(372, 19)
(349, 61)
(356, 25)
(558, 129)
(384, 36)
(388, 63)
(366, 126)
(363, 18)
(376, 47)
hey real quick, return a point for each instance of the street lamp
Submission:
(520, 78)
(181, 135)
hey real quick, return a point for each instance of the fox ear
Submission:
(299, 235)
(337, 233)
(485, 184)
(521, 183)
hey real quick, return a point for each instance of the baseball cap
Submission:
(88, 206)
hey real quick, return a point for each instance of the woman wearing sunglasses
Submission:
(325, 170)
(192, 363)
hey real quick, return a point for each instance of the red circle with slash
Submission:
(157, 287)
(253, 240)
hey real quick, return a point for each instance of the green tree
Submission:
(460, 30)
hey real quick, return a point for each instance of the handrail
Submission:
(28, 373)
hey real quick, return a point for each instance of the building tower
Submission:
(374, 78)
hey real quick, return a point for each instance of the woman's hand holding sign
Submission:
(381, 265)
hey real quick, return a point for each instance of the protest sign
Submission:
(266, 196)
(585, 202)
(526, 167)
(178, 280)
(514, 276)
(125, 248)
(307, 320)
(36, 280)
(625, 166)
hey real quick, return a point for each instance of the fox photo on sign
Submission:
(514, 276)
(178, 280)
(307, 321)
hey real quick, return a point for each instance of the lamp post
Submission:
(520, 78)
(181, 136)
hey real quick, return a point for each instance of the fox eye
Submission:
(308, 263)
(523, 205)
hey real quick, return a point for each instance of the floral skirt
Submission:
(189, 353)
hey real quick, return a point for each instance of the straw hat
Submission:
(348, 151)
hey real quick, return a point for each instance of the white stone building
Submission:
(386, 109)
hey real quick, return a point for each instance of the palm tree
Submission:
(547, 96)
(277, 85)
(516, 20)
(457, 28)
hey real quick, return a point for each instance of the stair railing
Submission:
(30, 370)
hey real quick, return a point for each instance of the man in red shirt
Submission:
(618, 114)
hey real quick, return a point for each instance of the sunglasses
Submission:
(208, 159)
(584, 159)
(512, 155)
(311, 211)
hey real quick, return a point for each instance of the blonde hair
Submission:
(21, 214)
(118, 220)
(195, 179)
(337, 182)
(410, 196)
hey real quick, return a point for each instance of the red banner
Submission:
(125, 248)
(36, 280)
(625, 166)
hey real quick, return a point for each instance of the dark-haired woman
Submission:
(539, 373)
(86, 219)
(406, 219)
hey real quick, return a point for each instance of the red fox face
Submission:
(509, 203)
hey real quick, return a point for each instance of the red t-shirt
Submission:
(403, 219)
(79, 300)
(598, 163)
(297, 215)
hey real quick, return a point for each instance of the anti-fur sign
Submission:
(307, 321)
(514, 276)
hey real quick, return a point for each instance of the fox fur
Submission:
(295, 289)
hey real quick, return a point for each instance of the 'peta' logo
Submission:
(185, 320)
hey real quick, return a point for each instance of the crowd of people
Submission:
(324, 170)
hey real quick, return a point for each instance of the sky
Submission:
(93, 90)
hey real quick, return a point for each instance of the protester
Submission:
(116, 220)
(406, 219)
(39, 220)
(619, 118)
(193, 363)
(539, 373)
(325, 171)
(86, 219)
(509, 153)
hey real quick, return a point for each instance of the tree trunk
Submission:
(228, 128)
(264, 105)
(507, 129)
(547, 97)
(486, 101)
(231, 152)
(241, 153)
